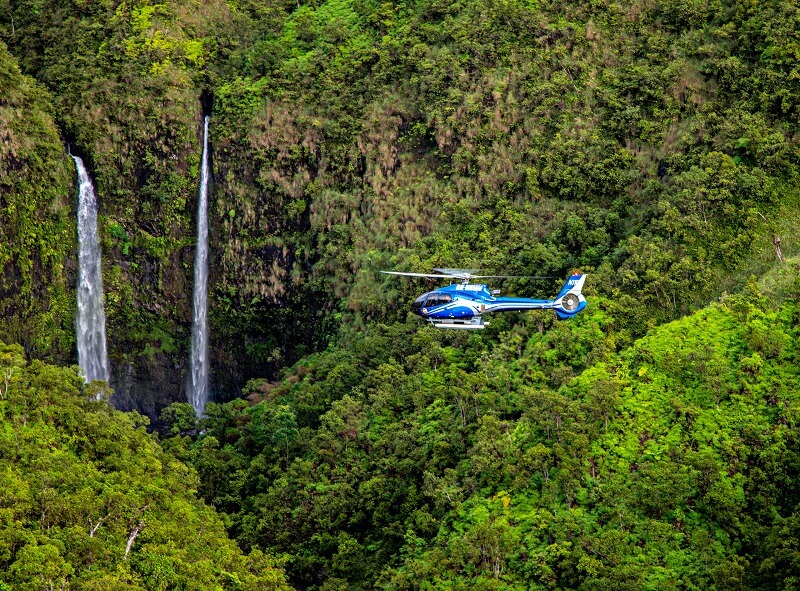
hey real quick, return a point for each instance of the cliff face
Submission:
(348, 137)
(37, 232)
(125, 82)
(148, 384)
(129, 84)
(143, 140)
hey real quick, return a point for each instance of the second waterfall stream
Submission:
(198, 379)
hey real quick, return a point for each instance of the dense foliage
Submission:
(88, 500)
(652, 143)
(644, 444)
(36, 232)
(539, 458)
(638, 139)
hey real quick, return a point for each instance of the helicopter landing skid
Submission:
(467, 324)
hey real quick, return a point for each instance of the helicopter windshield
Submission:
(419, 302)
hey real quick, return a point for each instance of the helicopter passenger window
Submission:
(437, 299)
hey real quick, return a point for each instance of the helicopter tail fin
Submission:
(573, 285)
(570, 300)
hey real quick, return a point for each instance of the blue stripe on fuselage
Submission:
(517, 304)
(450, 311)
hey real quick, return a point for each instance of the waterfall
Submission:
(198, 379)
(91, 319)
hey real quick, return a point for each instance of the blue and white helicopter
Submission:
(462, 305)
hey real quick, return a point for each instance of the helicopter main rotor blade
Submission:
(512, 277)
(473, 274)
(457, 272)
(460, 274)
(419, 275)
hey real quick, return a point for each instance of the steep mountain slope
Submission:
(641, 445)
(526, 137)
(37, 235)
(418, 459)
(88, 500)
(126, 81)
(654, 144)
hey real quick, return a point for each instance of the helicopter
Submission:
(462, 305)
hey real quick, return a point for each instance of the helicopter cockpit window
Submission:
(437, 299)
(419, 302)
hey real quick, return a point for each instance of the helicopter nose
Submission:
(416, 306)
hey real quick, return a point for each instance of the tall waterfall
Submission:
(198, 380)
(91, 320)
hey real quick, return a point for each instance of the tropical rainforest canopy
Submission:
(651, 442)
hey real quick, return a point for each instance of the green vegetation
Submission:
(36, 232)
(524, 137)
(88, 499)
(125, 80)
(653, 144)
(650, 443)
(527, 459)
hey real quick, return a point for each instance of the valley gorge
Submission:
(284, 419)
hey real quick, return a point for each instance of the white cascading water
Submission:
(198, 379)
(91, 319)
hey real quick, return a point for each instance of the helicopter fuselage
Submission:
(463, 305)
